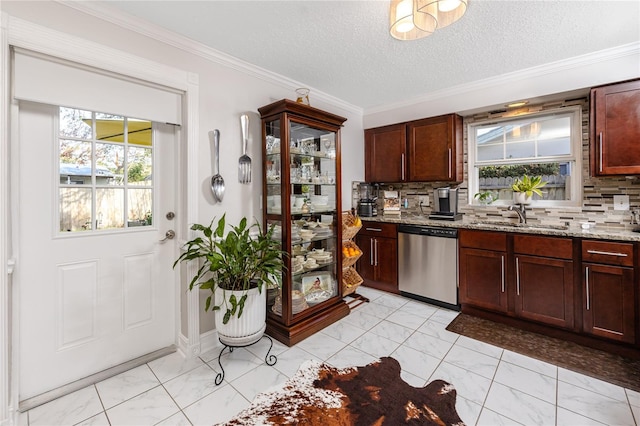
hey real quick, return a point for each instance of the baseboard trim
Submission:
(43, 398)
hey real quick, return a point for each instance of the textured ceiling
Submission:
(343, 48)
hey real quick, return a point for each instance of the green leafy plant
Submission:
(485, 197)
(240, 260)
(529, 185)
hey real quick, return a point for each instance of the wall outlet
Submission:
(621, 202)
(424, 199)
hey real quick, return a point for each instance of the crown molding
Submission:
(186, 44)
(552, 68)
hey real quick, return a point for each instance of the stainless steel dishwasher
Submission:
(428, 264)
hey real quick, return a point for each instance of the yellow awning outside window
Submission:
(112, 130)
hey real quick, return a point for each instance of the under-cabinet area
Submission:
(585, 287)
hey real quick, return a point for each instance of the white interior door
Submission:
(92, 298)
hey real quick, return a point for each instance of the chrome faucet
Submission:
(520, 209)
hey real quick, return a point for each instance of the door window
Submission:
(105, 171)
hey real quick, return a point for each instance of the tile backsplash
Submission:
(597, 202)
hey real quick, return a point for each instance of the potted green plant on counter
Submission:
(235, 267)
(524, 188)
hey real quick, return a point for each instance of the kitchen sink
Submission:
(522, 225)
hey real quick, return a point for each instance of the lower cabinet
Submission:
(609, 291)
(482, 278)
(378, 265)
(538, 279)
(545, 287)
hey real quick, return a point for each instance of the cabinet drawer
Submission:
(483, 240)
(559, 248)
(378, 229)
(607, 252)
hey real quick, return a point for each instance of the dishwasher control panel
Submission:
(429, 231)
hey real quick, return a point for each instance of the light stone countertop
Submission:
(574, 229)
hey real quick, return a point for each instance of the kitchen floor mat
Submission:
(572, 356)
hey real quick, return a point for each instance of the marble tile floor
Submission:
(495, 386)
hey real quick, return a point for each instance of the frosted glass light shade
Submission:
(445, 12)
(407, 23)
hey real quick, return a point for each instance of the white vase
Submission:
(521, 198)
(250, 327)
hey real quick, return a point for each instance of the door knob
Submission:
(169, 235)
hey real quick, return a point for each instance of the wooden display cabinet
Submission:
(302, 198)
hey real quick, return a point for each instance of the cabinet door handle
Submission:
(376, 246)
(586, 270)
(517, 277)
(374, 229)
(450, 163)
(402, 165)
(607, 253)
(371, 251)
(502, 274)
(600, 147)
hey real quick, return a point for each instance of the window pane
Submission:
(109, 127)
(75, 209)
(75, 123)
(490, 152)
(109, 208)
(521, 150)
(498, 179)
(75, 162)
(140, 207)
(560, 146)
(139, 163)
(139, 132)
(524, 138)
(109, 164)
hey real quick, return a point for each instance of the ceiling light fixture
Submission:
(414, 19)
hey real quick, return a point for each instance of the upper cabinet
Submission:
(615, 129)
(385, 150)
(435, 149)
(427, 150)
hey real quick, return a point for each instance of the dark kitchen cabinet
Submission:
(608, 290)
(482, 269)
(435, 151)
(385, 153)
(378, 264)
(427, 150)
(615, 129)
(544, 279)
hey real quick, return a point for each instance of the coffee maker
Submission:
(445, 202)
(367, 205)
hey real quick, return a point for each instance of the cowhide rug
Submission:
(319, 394)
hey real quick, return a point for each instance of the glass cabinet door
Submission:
(301, 201)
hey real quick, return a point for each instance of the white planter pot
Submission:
(521, 198)
(250, 327)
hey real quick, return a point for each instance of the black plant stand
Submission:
(268, 359)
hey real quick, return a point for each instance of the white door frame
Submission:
(21, 33)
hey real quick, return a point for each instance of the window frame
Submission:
(95, 186)
(574, 158)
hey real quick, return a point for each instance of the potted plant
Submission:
(235, 267)
(524, 188)
(485, 197)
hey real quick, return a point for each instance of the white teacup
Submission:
(310, 263)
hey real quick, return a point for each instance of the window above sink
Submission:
(547, 144)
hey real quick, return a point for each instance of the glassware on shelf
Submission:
(303, 96)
